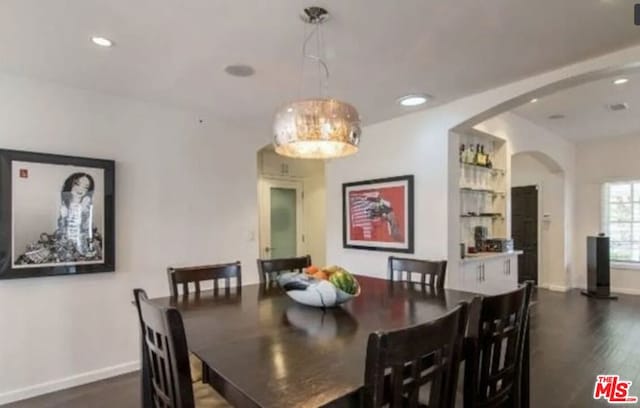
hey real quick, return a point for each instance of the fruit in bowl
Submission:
(320, 287)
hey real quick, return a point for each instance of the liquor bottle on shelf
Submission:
(462, 153)
(482, 157)
(471, 155)
(489, 162)
(476, 158)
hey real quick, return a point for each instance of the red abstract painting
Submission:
(379, 214)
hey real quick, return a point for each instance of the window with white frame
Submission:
(621, 219)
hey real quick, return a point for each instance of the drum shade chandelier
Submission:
(322, 127)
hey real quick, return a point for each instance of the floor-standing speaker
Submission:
(598, 268)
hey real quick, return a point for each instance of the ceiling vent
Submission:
(614, 107)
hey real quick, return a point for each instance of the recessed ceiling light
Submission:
(414, 100)
(239, 70)
(534, 100)
(101, 41)
(621, 81)
(557, 116)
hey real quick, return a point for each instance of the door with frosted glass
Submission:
(281, 234)
(283, 223)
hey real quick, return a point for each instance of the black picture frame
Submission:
(108, 256)
(407, 245)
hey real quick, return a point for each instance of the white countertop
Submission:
(483, 256)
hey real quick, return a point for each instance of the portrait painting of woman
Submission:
(59, 215)
(76, 237)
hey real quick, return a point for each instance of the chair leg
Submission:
(205, 373)
(145, 383)
(525, 375)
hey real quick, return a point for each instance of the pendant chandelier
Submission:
(316, 128)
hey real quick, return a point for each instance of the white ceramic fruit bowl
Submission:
(314, 292)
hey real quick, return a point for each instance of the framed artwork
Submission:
(57, 215)
(378, 214)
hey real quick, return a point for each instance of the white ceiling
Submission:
(174, 52)
(586, 111)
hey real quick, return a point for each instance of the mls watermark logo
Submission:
(613, 390)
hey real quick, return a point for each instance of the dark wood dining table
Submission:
(262, 349)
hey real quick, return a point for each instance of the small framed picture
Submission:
(378, 214)
(57, 215)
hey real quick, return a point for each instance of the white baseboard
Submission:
(623, 291)
(626, 291)
(68, 382)
(558, 288)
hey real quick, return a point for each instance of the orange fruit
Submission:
(320, 275)
(311, 270)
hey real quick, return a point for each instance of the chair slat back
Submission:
(497, 327)
(404, 366)
(270, 269)
(166, 354)
(197, 274)
(430, 273)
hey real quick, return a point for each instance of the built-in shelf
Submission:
(474, 166)
(481, 190)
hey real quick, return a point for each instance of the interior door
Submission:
(281, 218)
(524, 229)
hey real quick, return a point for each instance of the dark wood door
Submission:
(524, 229)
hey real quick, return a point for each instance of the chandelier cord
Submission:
(322, 65)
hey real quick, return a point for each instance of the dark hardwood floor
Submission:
(573, 339)
(118, 392)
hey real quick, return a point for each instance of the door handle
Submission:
(268, 249)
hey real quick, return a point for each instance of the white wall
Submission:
(527, 170)
(418, 144)
(315, 208)
(177, 204)
(608, 159)
(526, 137)
(407, 145)
(312, 174)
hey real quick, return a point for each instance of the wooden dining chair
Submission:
(166, 378)
(405, 268)
(269, 269)
(197, 274)
(495, 349)
(416, 366)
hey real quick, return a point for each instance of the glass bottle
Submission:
(482, 157)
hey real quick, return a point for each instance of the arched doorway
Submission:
(521, 137)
